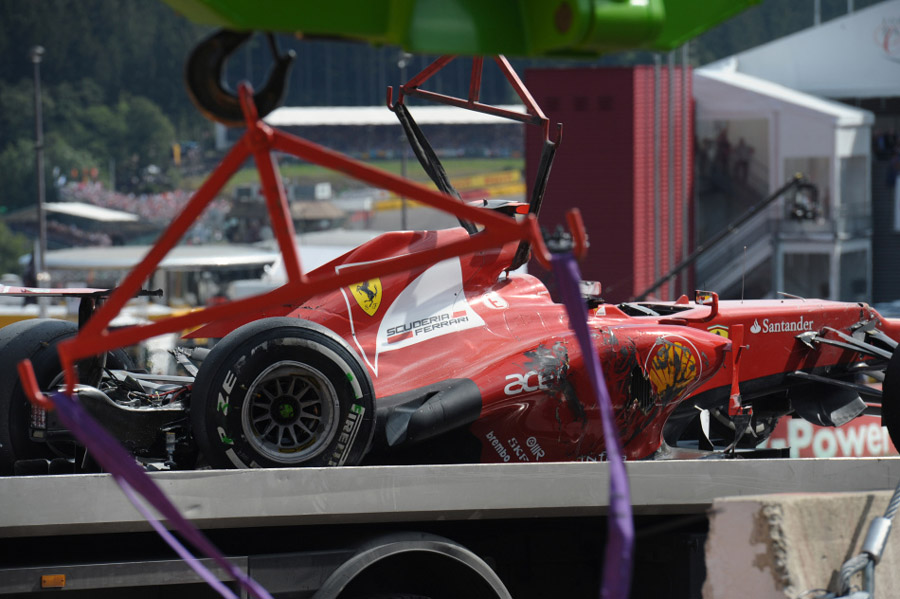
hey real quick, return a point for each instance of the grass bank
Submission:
(302, 173)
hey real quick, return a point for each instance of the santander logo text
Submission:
(781, 326)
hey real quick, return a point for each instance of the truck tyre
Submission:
(35, 340)
(282, 392)
(890, 399)
(412, 565)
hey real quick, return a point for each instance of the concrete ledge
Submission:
(777, 546)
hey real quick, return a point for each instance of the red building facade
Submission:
(626, 165)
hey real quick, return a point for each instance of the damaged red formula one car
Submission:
(457, 358)
(462, 361)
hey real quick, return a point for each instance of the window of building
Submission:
(855, 216)
(807, 275)
(854, 276)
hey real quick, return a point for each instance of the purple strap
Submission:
(620, 534)
(134, 481)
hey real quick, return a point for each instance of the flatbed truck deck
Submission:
(293, 529)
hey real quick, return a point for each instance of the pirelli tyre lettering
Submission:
(282, 392)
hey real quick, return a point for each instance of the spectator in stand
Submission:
(159, 208)
(893, 169)
(723, 152)
(742, 155)
(884, 143)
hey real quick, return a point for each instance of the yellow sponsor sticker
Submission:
(672, 369)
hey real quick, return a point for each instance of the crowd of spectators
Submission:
(156, 208)
(72, 235)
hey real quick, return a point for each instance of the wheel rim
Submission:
(290, 414)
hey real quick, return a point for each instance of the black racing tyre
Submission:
(890, 399)
(35, 340)
(282, 392)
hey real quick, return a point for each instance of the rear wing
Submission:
(90, 297)
(41, 292)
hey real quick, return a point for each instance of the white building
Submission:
(769, 112)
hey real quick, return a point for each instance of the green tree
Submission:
(16, 112)
(12, 246)
(131, 45)
(17, 176)
(147, 141)
(17, 170)
(150, 133)
(79, 132)
(61, 158)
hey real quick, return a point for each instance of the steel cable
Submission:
(867, 560)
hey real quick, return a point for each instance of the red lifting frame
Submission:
(534, 115)
(259, 140)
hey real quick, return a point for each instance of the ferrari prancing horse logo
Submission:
(718, 329)
(368, 295)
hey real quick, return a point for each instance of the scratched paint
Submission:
(552, 364)
(619, 362)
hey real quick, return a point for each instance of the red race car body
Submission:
(462, 361)
(808, 358)
(464, 319)
(463, 346)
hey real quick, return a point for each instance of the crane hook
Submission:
(204, 78)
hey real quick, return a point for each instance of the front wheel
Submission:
(282, 392)
(890, 399)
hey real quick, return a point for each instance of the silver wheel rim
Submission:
(290, 414)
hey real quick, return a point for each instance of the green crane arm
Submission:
(478, 27)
